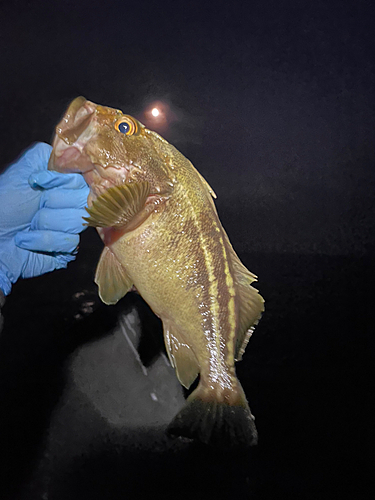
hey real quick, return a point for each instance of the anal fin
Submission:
(111, 278)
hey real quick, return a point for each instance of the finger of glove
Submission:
(34, 158)
(19, 203)
(37, 156)
(65, 198)
(47, 241)
(67, 220)
(46, 179)
(41, 263)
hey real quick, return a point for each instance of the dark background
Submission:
(274, 104)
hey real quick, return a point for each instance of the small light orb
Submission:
(155, 112)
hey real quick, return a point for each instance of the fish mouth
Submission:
(72, 134)
(70, 154)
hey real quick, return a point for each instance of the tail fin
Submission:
(215, 422)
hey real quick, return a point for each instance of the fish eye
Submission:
(126, 125)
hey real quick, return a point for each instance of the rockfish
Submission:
(156, 216)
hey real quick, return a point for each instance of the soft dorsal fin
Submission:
(111, 278)
(250, 302)
(251, 307)
(118, 205)
(181, 356)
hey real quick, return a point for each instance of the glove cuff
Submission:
(5, 285)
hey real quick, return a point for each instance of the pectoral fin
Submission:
(111, 278)
(181, 356)
(118, 205)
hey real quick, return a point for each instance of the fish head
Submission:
(109, 148)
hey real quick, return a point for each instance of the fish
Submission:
(162, 237)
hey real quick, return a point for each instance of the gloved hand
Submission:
(40, 217)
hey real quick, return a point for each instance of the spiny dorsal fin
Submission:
(111, 278)
(211, 191)
(181, 356)
(118, 205)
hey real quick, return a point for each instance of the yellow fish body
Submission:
(162, 234)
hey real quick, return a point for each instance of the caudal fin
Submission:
(215, 421)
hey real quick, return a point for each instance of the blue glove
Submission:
(40, 217)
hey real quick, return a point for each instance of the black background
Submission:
(274, 104)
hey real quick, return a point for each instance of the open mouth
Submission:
(72, 134)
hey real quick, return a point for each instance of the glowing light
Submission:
(157, 116)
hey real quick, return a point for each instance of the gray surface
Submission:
(111, 376)
(109, 397)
